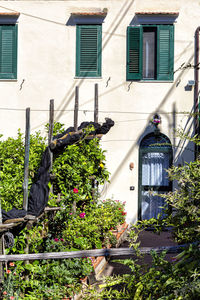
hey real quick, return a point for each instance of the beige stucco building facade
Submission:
(46, 69)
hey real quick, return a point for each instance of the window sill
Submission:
(8, 80)
(156, 81)
(84, 77)
(151, 81)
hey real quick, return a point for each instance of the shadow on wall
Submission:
(147, 128)
(113, 27)
(70, 94)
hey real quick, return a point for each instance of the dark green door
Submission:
(155, 158)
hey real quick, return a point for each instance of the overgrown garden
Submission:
(82, 222)
(85, 222)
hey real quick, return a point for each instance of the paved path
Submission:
(148, 239)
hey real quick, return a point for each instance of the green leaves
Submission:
(82, 223)
(12, 167)
(91, 229)
(80, 165)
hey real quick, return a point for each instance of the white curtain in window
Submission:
(154, 165)
(152, 205)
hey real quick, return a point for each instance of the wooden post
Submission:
(50, 134)
(1, 263)
(51, 121)
(96, 111)
(76, 108)
(26, 251)
(26, 160)
(96, 104)
(26, 166)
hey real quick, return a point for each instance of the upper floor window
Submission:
(88, 50)
(150, 52)
(8, 45)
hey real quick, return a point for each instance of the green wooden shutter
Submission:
(165, 52)
(134, 53)
(8, 51)
(88, 50)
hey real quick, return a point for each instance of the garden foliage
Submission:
(12, 167)
(83, 221)
(178, 279)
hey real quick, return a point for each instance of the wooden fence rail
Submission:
(112, 252)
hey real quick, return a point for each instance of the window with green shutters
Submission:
(150, 52)
(88, 50)
(8, 51)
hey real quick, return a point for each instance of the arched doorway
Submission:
(155, 156)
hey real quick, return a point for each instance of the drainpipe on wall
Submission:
(196, 87)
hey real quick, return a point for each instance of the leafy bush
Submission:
(79, 167)
(47, 279)
(12, 153)
(91, 229)
(185, 202)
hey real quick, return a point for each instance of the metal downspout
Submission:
(196, 87)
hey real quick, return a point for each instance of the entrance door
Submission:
(155, 157)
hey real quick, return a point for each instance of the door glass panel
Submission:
(154, 165)
(152, 205)
(155, 159)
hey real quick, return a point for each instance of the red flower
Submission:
(75, 190)
(4, 293)
(119, 208)
(8, 271)
(82, 215)
(12, 297)
(11, 264)
(123, 213)
(56, 240)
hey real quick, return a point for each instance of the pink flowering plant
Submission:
(75, 190)
(156, 120)
(90, 229)
(82, 215)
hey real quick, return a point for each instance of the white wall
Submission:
(46, 67)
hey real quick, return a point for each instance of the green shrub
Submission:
(90, 228)
(12, 153)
